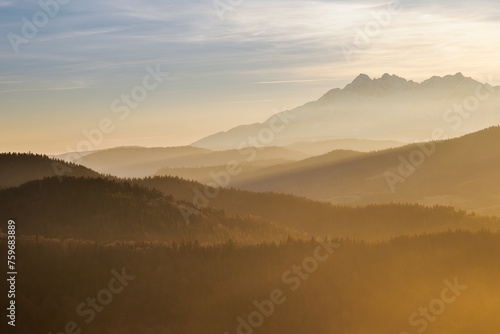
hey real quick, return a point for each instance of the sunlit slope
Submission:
(446, 283)
(258, 169)
(141, 162)
(131, 161)
(463, 172)
(290, 212)
(373, 222)
(360, 145)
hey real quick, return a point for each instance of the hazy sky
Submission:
(240, 66)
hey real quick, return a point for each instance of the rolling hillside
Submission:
(321, 147)
(462, 172)
(18, 168)
(372, 222)
(142, 162)
(257, 170)
(203, 174)
(132, 161)
(105, 210)
(103, 204)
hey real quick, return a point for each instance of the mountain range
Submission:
(462, 172)
(387, 108)
(101, 208)
(142, 162)
(287, 178)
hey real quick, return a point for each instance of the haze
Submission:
(259, 58)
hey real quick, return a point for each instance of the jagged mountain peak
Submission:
(387, 84)
(361, 78)
(448, 81)
(388, 81)
(387, 107)
(390, 77)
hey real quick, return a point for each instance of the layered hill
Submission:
(131, 161)
(372, 222)
(141, 162)
(203, 174)
(462, 172)
(321, 147)
(387, 108)
(101, 209)
(247, 172)
(18, 168)
(104, 210)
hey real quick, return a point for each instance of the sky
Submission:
(229, 62)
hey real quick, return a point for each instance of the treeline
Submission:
(371, 222)
(81, 209)
(187, 288)
(106, 210)
(18, 168)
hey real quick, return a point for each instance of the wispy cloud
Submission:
(40, 89)
(287, 81)
(261, 51)
(5, 3)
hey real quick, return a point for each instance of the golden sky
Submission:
(230, 64)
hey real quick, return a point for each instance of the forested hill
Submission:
(178, 289)
(18, 168)
(320, 218)
(101, 209)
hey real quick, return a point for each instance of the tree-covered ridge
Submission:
(186, 288)
(320, 218)
(101, 204)
(18, 168)
(102, 209)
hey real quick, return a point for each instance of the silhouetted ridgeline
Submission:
(462, 172)
(389, 107)
(18, 168)
(191, 289)
(141, 162)
(319, 218)
(104, 210)
(100, 209)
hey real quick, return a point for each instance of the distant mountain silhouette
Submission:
(359, 145)
(462, 172)
(261, 168)
(387, 108)
(203, 174)
(448, 176)
(141, 162)
(102, 209)
(132, 161)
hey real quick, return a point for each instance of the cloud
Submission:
(273, 43)
(287, 81)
